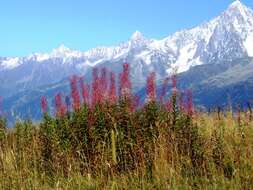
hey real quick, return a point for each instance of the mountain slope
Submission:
(226, 37)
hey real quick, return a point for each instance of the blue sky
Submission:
(29, 26)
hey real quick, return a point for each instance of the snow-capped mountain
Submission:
(226, 38)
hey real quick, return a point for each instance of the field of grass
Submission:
(100, 140)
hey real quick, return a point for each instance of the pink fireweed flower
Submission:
(96, 94)
(43, 103)
(125, 83)
(85, 90)
(75, 92)
(60, 108)
(112, 89)
(189, 103)
(103, 82)
(151, 87)
(186, 102)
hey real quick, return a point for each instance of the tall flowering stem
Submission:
(151, 87)
(43, 103)
(189, 103)
(125, 83)
(186, 102)
(75, 92)
(60, 108)
(85, 90)
(103, 84)
(96, 95)
(112, 89)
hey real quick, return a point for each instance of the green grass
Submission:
(123, 149)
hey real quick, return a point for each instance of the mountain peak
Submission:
(61, 49)
(137, 36)
(236, 3)
(238, 14)
(237, 6)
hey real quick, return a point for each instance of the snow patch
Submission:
(42, 57)
(145, 57)
(185, 56)
(11, 63)
(248, 44)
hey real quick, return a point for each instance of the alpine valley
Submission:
(214, 59)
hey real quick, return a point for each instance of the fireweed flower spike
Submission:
(59, 106)
(151, 87)
(75, 93)
(112, 89)
(95, 87)
(125, 83)
(85, 90)
(43, 102)
(103, 84)
(189, 103)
